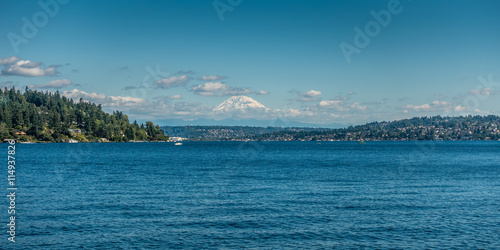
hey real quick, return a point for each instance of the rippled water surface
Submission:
(258, 194)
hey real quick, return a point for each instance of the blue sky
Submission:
(160, 60)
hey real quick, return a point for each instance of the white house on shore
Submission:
(177, 139)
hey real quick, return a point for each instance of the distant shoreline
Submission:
(250, 141)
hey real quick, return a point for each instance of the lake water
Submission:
(257, 195)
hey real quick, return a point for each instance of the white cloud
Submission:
(311, 93)
(18, 67)
(56, 84)
(295, 113)
(262, 92)
(459, 108)
(210, 88)
(334, 104)
(435, 106)
(341, 105)
(483, 112)
(174, 97)
(442, 108)
(123, 100)
(9, 60)
(423, 107)
(173, 81)
(356, 106)
(213, 78)
(106, 101)
(76, 94)
(308, 96)
(219, 89)
(330, 103)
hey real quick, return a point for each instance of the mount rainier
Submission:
(243, 103)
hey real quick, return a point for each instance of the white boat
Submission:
(178, 143)
(72, 141)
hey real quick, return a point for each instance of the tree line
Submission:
(44, 116)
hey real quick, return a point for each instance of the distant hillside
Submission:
(418, 128)
(225, 132)
(39, 116)
(244, 123)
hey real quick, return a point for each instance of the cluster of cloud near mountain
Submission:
(212, 87)
(105, 101)
(15, 66)
(219, 89)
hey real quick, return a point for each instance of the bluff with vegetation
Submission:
(50, 117)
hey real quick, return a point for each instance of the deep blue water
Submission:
(257, 195)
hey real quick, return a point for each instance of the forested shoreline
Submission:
(38, 116)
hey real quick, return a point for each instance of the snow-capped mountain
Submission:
(240, 103)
